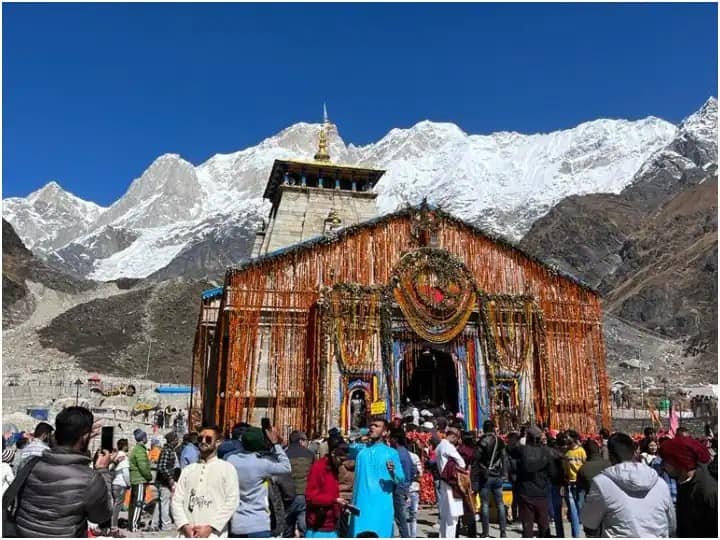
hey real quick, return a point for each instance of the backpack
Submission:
(11, 498)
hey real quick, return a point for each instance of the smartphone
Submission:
(265, 424)
(107, 437)
(354, 510)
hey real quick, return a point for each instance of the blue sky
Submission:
(92, 93)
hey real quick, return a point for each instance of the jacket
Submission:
(140, 471)
(34, 448)
(589, 471)
(498, 467)
(61, 494)
(322, 490)
(696, 502)
(346, 479)
(301, 459)
(534, 468)
(629, 500)
(166, 466)
(254, 473)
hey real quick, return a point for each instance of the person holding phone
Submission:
(255, 469)
(62, 492)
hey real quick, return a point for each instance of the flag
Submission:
(674, 421)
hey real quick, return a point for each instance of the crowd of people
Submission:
(251, 483)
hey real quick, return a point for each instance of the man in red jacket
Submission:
(322, 495)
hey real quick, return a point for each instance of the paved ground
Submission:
(427, 518)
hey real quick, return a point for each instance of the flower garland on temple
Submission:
(435, 292)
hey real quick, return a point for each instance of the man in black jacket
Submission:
(301, 459)
(493, 464)
(534, 469)
(62, 493)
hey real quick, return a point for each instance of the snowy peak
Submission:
(503, 181)
(167, 192)
(50, 217)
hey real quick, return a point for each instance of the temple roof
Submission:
(318, 168)
(406, 211)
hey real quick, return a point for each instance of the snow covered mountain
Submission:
(503, 181)
(50, 217)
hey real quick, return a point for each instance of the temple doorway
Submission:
(357, 409)
(429, 379)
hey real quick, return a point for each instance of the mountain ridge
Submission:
(501, 181)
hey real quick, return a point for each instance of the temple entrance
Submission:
(428, 379)
(357, 409)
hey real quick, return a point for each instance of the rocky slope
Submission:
(174, 213)
(143, 333)
(651, 249)
(19, 267)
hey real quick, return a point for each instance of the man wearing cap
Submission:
(8, 454)
(301, 459)
(534, 468)
(685, 459)
(140, 475)
(234, 443)
(165, 481)
(39, 444)
(251, 518)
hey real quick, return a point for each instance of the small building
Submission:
(342, 314)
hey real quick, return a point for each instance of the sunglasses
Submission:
(207, 439)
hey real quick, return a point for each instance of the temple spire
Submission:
(322, 153)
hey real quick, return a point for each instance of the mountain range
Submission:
(629, 207)
(169, 215)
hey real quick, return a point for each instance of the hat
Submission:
(684, 453)
(428, 425)
(425, 412)
(8, 455)
(253, 440)
(139, 435)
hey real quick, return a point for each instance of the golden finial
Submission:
(322, 153)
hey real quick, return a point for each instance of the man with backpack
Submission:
(493, 470)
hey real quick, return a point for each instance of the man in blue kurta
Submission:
(377, 471)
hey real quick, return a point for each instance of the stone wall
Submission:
(696, 426)
(301, 212)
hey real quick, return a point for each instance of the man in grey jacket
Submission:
(62, 492)
(254, 471)
(628, 499)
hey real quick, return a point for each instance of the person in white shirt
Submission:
(121, 481)
(449, 507)
(207, 494)
(414, 491)
(6, 472)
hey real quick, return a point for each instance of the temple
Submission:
(342, 314)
